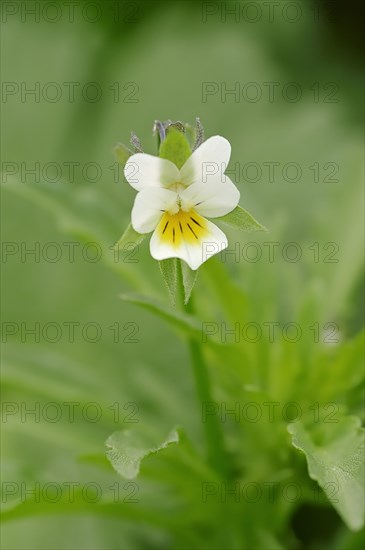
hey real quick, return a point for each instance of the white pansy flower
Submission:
(174, 203)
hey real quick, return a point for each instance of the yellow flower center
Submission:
(182, 226)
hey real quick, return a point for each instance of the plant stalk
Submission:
(214, 439)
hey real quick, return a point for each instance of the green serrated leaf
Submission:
(241, 219)
(188, 323)
(189, 278)
(130, 239)
(335, 457)
(127, 449)
(122, 153)
(168, 270)
(175, 147)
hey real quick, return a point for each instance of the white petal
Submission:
(207, 162)
(211, 199)
(149, 206)
(143, 170)
(206, 241)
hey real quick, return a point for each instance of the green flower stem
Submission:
(213, 432)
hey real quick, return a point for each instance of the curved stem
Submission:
(213, 431)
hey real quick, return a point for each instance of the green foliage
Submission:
(169, 274)
(175, 147)
(122, 153)
(187, 323)
(149, 372)
(130, 239)
(195, 134)
(179, 279)
(240, 219)
(189, 277)
(128, 448)
(335, 456)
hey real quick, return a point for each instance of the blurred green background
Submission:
(153, 60)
